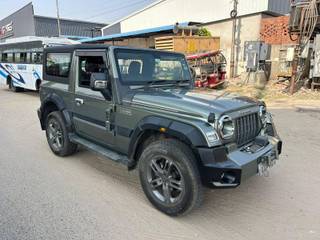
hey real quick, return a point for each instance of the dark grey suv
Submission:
(138, 107)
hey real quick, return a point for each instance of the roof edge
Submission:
(25, 6)
(69, 19)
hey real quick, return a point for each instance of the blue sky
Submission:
(105, 11)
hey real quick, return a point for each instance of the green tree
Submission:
(204, 32)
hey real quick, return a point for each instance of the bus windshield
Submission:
(140, 67)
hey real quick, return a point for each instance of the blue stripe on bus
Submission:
(3, 74)
(6, 75)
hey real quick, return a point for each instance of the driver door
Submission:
(91, 111)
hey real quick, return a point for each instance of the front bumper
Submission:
(222, 168)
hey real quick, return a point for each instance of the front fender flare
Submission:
(183, 131)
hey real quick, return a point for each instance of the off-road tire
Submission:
(183, 158)
(67, 147)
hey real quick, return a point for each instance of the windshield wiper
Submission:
(163, 83)
(153, 83)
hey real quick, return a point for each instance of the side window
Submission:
(23, 57)
(4, 57)
(10, 57)
(17, 58)
(87, 66)
(36, 58)
(58, 64)
(28, 58)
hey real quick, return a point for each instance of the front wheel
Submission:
(170, 177)
(57, 135)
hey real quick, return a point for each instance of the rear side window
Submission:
(58, 64)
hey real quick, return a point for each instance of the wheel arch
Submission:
(54, 103)
(152, 128)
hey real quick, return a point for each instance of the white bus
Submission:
(21, 61)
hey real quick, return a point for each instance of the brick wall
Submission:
(275, 30)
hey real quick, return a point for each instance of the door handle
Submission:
(79, 101)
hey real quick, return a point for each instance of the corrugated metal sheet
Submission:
(49, 27)
(279, 6)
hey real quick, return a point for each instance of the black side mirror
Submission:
(99, 81)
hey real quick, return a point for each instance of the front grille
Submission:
(247, 128)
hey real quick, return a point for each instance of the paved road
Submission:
(85, 197)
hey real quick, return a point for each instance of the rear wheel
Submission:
(170, 178)
(13, 88)
(57, 135)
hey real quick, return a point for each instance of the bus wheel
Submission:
(13, 88)
(38, 84)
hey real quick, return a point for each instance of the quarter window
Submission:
(58, 64)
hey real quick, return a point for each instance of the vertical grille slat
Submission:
(246, 128)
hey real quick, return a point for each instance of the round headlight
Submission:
(226, 127)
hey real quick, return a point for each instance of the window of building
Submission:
(58, 64)
(89, 65)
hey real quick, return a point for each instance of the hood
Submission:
(191, 102)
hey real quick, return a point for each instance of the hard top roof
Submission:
(71, 48)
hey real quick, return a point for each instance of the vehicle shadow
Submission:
(24, 92)
(227, 205)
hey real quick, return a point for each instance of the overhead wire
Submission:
(115, 9)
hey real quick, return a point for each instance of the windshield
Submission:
(140, 67)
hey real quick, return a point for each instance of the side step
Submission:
(104, 152)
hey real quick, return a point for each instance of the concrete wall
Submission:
(248, 30)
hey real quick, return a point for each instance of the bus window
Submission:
(10, 57)
(17, 57)
(22, 56)
(28, 58)
(36, 58)
(4, 57)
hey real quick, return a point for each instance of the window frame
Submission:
(55, 79)
(60, 75)
(88, 91)
(141, 83)
(79, 68)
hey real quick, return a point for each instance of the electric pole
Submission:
(58, 18)
(233, 14)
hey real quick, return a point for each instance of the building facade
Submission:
(215, 15)
(167, 12)
(24, 22)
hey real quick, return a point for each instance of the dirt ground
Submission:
(86, 197)
(274, 94)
